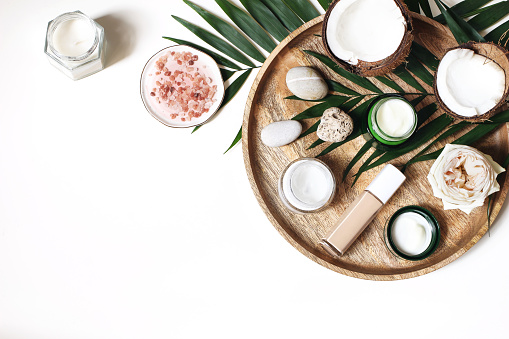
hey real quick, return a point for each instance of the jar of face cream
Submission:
(75, 45)
(306, 185)
(412, 233)
(392, 120)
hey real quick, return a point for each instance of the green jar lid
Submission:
(397, 246)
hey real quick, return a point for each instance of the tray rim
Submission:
(501, 195)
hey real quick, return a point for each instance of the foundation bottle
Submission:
(362, 211)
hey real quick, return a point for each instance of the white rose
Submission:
(463, 177)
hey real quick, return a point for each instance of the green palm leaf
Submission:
(490, 16)
(384, 79)
(405, 75)
(317, 110)
(285, 14)
(358, 80)
(228, 32)
(425, 56)
(215, 42)
(364, 149)
(236, 140)
(218, 58)
(325, 3)
(248, 25)
(462, 31)
(337, 87)
(266, 18)
(499, 35)
(303, 8)
(418, 69)
(464, 9)
(235, 86)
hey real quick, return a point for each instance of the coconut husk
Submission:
(375, 68)
(497, 54)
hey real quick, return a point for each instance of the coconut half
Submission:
(472, 81)
(367, 37)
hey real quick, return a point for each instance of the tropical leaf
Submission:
(248, 25)
(464, 9)
(317, 110)
(235, 86)
(266, 18)
(417, 100)
(310, 130)
(420, 137)
(418, 69)
(384, 79)
(358, 80)
(337, 87)
(303, 8)
(425, 113)
(426, 8)
(215, 42)
(218, 58)
(288, 18)
(405, 75)
(226, 74)
(462, 31)
(228, 32)
(490, 16)
(325, 3)
(499, 35)
(450, 131)
(425, 56)
(376, 153)
(236, 140)
(363, 150)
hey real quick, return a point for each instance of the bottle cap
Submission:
(386, 183)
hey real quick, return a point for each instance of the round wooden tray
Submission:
(368, 257)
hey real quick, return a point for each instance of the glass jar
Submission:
(306, 185)
(75, 44)
(392, 120)
(412, 233)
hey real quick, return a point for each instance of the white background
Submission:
(115, 226)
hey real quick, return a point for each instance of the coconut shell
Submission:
(497, 54)
(375, 68)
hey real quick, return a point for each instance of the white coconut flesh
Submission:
(367, 30)
(469, 84)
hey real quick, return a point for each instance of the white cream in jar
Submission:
(306, 185)
(392, 120)
(412, 233)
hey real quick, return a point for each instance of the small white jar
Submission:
(75, 44)
(306, 185)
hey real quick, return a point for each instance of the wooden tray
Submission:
(368, 257)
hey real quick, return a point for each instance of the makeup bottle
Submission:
(362, 210)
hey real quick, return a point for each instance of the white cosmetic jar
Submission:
(306, 185)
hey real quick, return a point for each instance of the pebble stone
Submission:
(335, 125)
(281, 133)
(306, 83)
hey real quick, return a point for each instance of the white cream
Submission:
(469, 84)
(74, 37)
(368, 30)
(411, 233)
(307, 185)
(395, 117)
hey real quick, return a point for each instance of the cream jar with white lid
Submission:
(306, 185)
(75, 45)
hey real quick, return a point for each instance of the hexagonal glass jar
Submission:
(75, 44)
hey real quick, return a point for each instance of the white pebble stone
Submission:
(306, 83)
(281, 133)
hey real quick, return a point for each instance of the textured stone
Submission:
(335, 125)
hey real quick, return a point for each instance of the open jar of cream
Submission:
(306, 185)
(412, 233)
(75, 45)
(392, 120)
